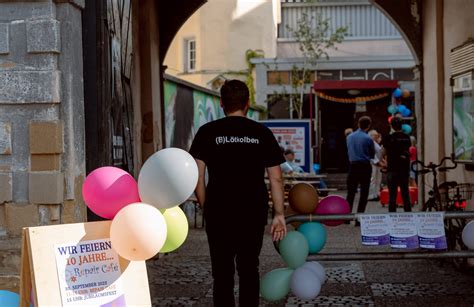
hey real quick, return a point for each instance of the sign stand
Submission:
(41, 266)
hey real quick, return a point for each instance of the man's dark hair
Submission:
(234, 95)
(364, 122)
(288, 152)
(396, 123)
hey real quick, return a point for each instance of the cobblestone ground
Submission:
(184, 277)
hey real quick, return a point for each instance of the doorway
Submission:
(335, 118)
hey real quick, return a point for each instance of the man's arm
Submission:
(201, 184)
(278, 228)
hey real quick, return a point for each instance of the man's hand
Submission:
(278, 229)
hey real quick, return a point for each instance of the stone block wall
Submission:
(42, 163)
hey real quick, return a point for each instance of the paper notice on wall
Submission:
(431, 230)
(403, 230)
(89, 274)
(375, 229)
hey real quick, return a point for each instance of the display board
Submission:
(463, 118)
(75, 265)
(293, 134)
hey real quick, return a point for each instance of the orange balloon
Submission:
(138, 232)
(406, 93)
(303, 198)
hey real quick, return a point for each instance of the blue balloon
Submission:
(397, 93)
(315, 234)
(392, 109)
(402, 108)
(8, 299)
(407, 113)
(406, 128)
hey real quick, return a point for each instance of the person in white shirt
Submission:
(377, 162)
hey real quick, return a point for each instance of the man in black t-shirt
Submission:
(236, 152)
(396, 152)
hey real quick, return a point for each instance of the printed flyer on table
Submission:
(89, 274)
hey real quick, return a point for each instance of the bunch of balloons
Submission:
(304, 279)
(468, 235)
(145, 217)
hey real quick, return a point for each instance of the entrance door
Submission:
(335, 118)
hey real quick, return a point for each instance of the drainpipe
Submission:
(441, 79)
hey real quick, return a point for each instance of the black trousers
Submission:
(235, 245)
(395, 180)
(359, 174)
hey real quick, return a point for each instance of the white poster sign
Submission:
(89, 274)
(403, 230)
(375, 229)
(431, 230)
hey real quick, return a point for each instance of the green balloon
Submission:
(275, 285)
(177, 225)
(294, 249)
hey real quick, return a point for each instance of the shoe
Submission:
(347, 222)
(374, 199)
(357, 224)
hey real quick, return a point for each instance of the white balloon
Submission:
(167, 178)
(317, 269)
(305, 284)
(468, 235)
(138, 232)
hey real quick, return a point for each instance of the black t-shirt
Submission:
(236, 151)
(397, 146)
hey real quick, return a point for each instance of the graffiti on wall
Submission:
(187, 109)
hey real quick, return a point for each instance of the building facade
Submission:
(212, 44)
(372, 50)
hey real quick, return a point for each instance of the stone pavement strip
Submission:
(184, 278)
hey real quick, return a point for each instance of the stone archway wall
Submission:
(406, 16)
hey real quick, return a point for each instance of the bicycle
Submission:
(447, 196)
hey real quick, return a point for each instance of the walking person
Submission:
(237, 151)
(361, 151)
(396, 152)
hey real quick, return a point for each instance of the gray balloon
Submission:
(317, 269)
(305, 284)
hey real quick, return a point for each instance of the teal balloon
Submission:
(392, 109)
(275, 285)
(406, 128)
(315, 234)
(8, 299)
(294, 249)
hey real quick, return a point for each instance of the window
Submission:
(190, 55)
(278, 77)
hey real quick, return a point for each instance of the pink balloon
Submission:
(333, 204)
(108, 189)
